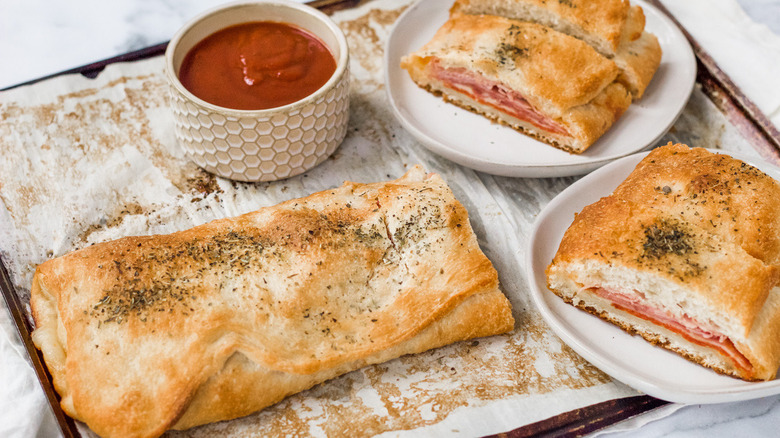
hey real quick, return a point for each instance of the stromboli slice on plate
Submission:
(638, 61)
(615, 28)
(145, 334)
(686, 253)
(539, 81)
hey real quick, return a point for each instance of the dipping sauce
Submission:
(257, 65)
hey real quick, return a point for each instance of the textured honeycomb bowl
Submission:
(261, 145)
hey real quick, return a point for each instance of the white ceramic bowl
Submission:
(268, 144)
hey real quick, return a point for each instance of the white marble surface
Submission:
(41, 37)
(763, 11)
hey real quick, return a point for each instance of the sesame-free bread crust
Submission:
(600, 23)
(615, 28)
(561, 77)
(149, 333)
(695, 233)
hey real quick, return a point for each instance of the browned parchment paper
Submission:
(84, 161)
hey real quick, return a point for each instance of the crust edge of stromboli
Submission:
(149, 333)
(686, 253)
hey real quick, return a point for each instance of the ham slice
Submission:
(685, 326)
(494, 94)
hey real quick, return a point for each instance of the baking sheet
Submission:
(85, 161)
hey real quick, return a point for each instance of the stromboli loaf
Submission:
(145, 334)
(603, 24)
(686, 253)
(537, 80)
(615, 28)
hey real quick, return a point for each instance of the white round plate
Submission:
(473, 141)
(629, 359)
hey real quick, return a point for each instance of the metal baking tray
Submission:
(717, 86)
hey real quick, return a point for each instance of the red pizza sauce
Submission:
(257, 65)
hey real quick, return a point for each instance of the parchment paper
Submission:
(85, 161)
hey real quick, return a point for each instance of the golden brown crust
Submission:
(634, 25)
(638, 61)
(561, 77)
(553, 71)
(660, 337)
(156, 330)
(705, 223)
(606, 108)
(479, 315)
(613, 27)
(600, 22)
(725, 196)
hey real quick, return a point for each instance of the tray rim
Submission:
(716, 84)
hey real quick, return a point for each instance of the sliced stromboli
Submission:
(685, 253)
(615, 28)
(537, 80)
(638, 61)
(149, 333)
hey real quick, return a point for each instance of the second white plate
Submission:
(473, 141)
(626, 358)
